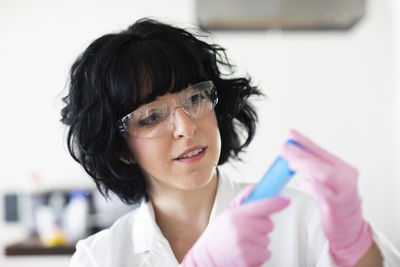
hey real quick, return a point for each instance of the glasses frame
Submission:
(201, 86)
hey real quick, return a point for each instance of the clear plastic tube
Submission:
(274, 180)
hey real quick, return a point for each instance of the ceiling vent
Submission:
(279, 14)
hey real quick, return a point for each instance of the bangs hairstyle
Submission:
(119, 72)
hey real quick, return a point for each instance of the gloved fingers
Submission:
(259, 227)
(320, 190)
(262, 208)
(262, 241)
(242, 195)
(257, 255)
(311, 146)
(300, 160)
(345, 174)
(267, 255)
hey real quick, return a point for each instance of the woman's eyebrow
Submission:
(155, 102)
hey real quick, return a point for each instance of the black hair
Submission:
(118, 72)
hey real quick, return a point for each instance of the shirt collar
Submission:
(226, 192)
(145, 229)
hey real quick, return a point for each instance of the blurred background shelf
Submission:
(33, 247)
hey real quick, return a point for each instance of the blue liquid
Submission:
(274, 180)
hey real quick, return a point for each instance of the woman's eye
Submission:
(151, 120)
(195, 99)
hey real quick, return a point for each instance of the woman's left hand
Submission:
(334, 183)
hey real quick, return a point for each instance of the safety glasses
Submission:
(155, 118)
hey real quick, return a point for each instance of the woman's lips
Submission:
(192, 155)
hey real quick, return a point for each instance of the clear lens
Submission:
(151, 120)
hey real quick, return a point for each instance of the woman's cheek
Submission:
(137, 147)
(145, 150)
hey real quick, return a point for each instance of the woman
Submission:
(151, 115)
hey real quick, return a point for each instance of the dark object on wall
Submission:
(279, 14)
(10, 208)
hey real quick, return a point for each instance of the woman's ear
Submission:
(127, 159)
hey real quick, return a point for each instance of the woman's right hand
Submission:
(238, 236)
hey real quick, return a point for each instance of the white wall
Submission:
(395, 7)
(339, 89)
(336, 87)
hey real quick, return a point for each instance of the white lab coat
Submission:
(296, 240)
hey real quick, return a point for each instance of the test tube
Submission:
(274, 180)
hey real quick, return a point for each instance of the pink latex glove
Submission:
(334, 183)
(238, 236)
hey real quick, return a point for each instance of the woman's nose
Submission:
(184, 126)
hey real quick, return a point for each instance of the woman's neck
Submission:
(193, 207)
(183, 215)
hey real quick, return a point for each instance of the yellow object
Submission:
(54, 240)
